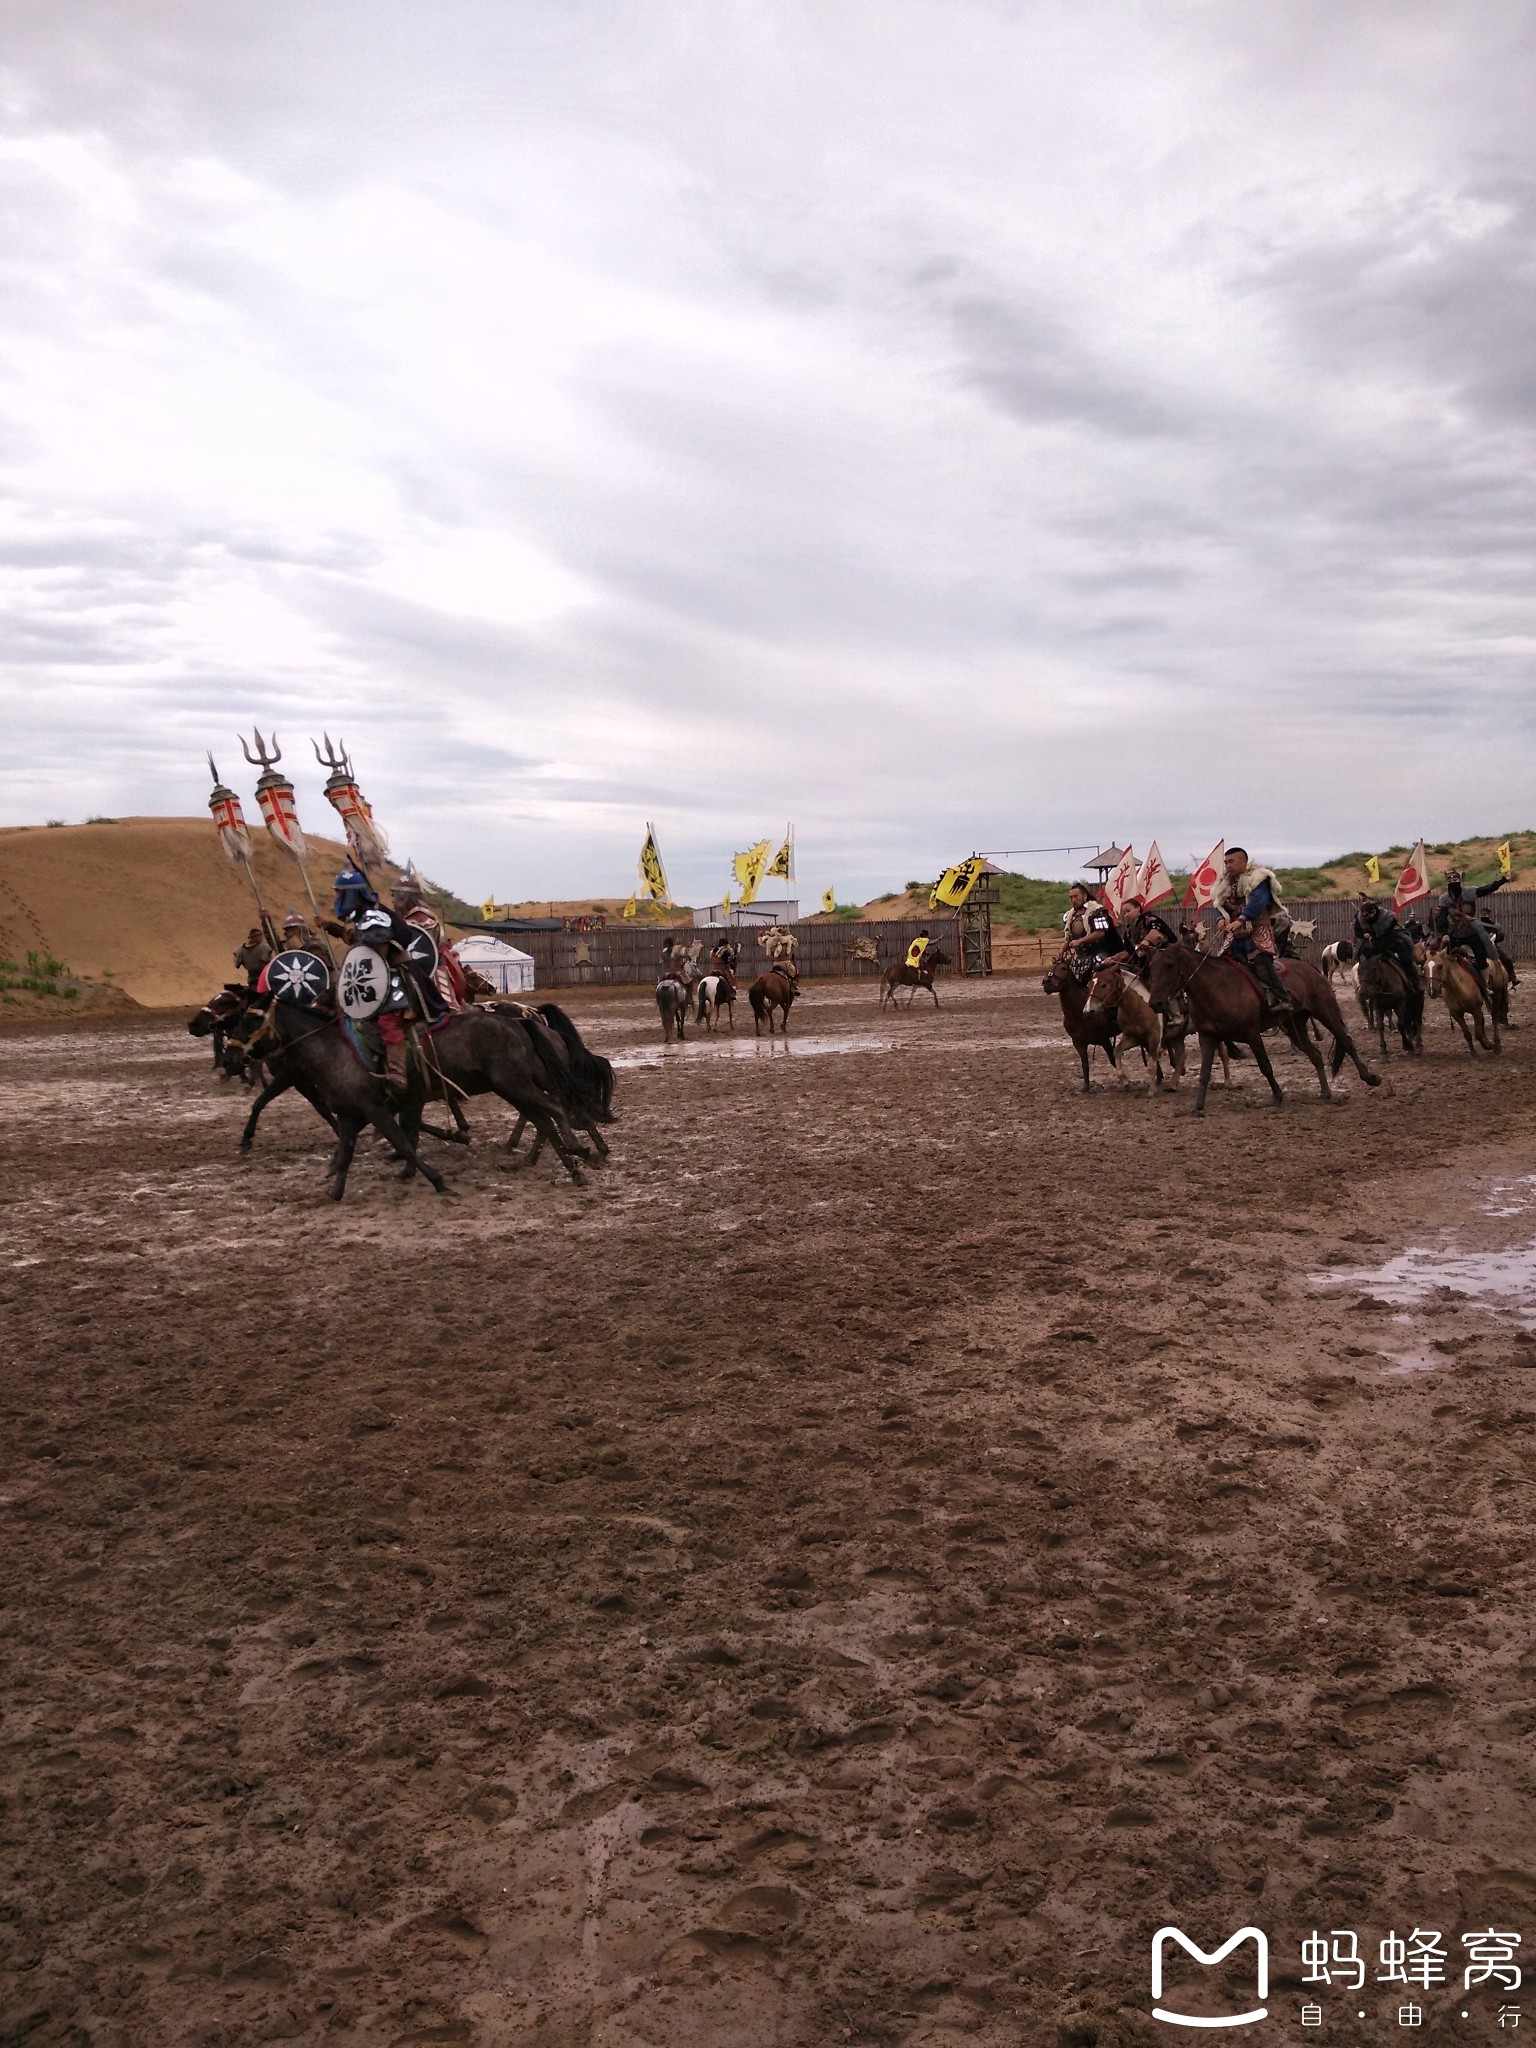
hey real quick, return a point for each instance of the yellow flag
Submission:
(629, 909)
(829, 900)
(750, 867)
(1372, 868)
(1506, 861)
(783, 862)
(488, 907)
(652, 874)
(956, 883)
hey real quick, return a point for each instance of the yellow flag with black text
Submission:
(750, 867)
(956, 883)
(1506, 860)
(783, 862)
(631, 908)
(1373, 868)
(829, 900)
(652, 874)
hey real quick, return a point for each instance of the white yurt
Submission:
(507, 970)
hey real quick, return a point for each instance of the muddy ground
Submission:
(847, 1574)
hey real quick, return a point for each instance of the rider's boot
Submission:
(1276, 993)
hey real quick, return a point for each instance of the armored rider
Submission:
(1090, 935)
(1468, 934)
(362, 920)
(1458, 896)
(409, 903)
(1379, 935)
(722, 959)
(1246, 902)
(1495, 933)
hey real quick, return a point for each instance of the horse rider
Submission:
(722, 959)
(1458, 895)
(253, 956)
(297, 936)
(409, 903)
(362, 920)
(1142, 927)
(1378, 935)
(1090, 936)
(1495, 932)
(917, 949)
(1465, 933)
(1246, 901)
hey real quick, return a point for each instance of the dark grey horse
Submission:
(674, 999)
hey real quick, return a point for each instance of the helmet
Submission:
(406, 890)
(293, 922)
(354, 892)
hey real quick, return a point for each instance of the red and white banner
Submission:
(1154, 881)
(1207, 879)
(234, 836)
(279, 808)
(1122, 883)
(369, 846)
(1413, 882)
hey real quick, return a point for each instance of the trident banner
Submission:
(234, 836)
(652, 873)
(1206, 880)
(369, 847)
(1413, 882)
(274, 792)
(955, 884)
(1154, 881)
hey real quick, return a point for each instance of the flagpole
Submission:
(261, 909)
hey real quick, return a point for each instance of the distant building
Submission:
(787, 911)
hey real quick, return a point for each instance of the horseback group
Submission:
(1138, 980)
(397, 1022)
(683, 992)
(1460, 955)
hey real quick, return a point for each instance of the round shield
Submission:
(420, 951)
(299, 977)
(364, 983)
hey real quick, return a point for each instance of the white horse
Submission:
(714, 994)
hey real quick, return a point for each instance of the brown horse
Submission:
(1113, 989)
(900, 975)
(1225, 1003)
(1463, 995)
(775, 990)
(1086, 1028)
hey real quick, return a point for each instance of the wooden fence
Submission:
(629, 955)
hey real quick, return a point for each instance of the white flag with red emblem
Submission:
(1154, 881)
(1413, 882)
(1206, 881)
(1120, 884)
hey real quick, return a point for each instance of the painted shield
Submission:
(301, 978)
(364, 983)
(420, 952)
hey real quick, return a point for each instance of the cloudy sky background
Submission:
(949, 425)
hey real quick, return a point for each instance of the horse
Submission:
(716, 992)
(1113, 989)
(1225, 1003)
(775, 990)
(307, 1048)
(214, 1020)
(1085, 1029)
(900, 975)
(1385, 991)
(1336, 958)
(674, 999)
(583, 1079)
(1463, 994)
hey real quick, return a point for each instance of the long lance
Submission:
(233, 836)
(275, 794)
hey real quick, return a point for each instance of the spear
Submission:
(236, 842)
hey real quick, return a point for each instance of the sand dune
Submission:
(150, 903)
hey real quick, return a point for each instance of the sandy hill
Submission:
(148, 903)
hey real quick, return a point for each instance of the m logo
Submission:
(1217, 1955)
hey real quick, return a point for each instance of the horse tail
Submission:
(592, 1073)
(758, 998)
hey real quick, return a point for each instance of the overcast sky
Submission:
(947, 425)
